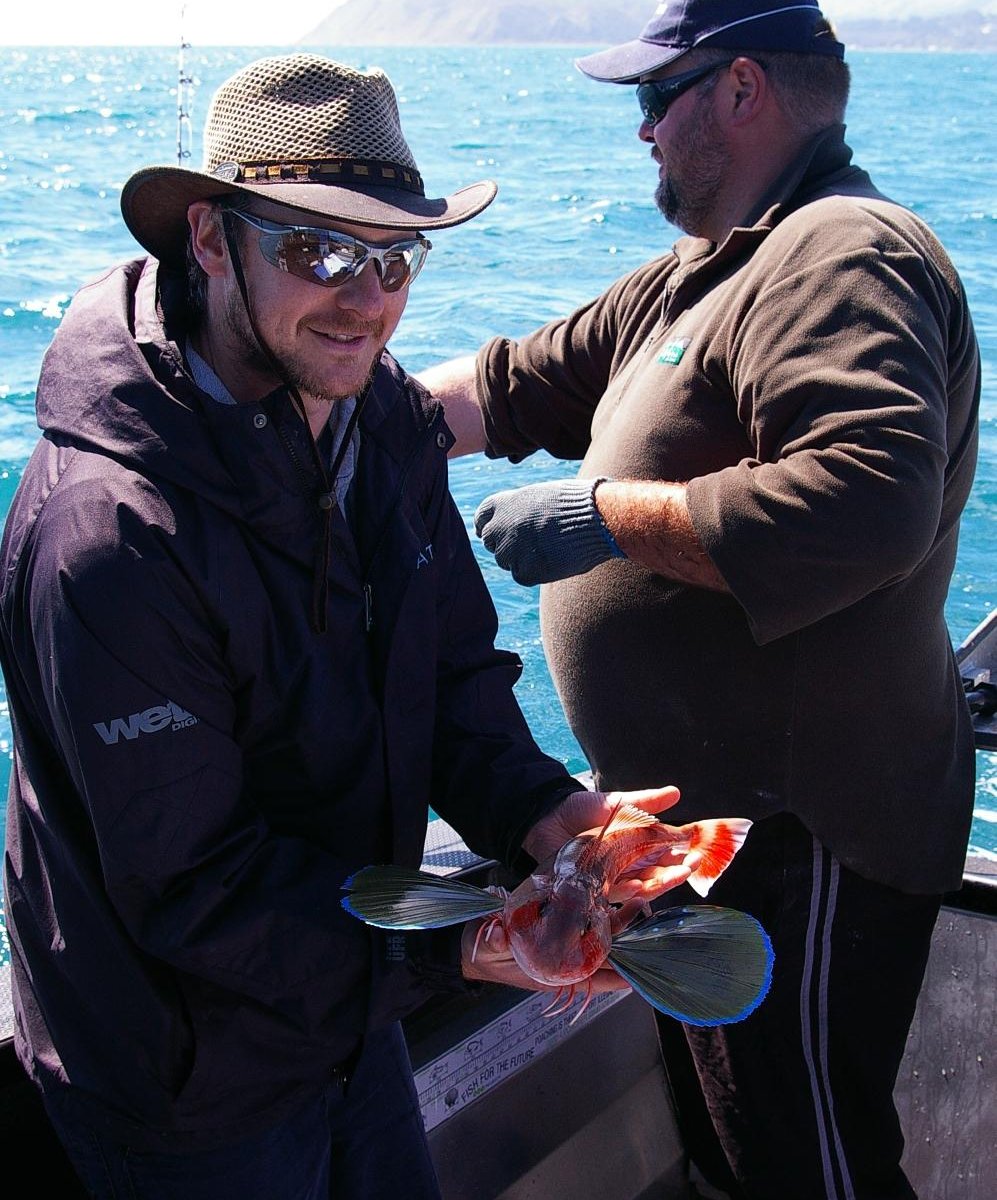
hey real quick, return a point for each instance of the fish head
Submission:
(558, 929)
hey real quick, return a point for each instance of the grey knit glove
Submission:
(546, 531)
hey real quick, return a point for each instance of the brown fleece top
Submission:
(815, 380)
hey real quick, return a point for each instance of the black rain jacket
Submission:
(225, 701)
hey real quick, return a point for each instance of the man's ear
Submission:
(207, 238)
(749, 90)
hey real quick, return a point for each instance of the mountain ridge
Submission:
(585, 22)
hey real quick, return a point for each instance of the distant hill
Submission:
(460, 22)
(969, 30)
(593, 23)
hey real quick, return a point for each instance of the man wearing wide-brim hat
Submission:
(777, 427)
(246, 647)
(326, 147)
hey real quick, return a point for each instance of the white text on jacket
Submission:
(159, 717)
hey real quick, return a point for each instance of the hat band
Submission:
(369, 171)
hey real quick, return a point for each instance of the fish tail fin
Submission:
(698, 963)
(393, 897)
(717, 842)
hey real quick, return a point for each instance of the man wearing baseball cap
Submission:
(744, 587)
(246, 646)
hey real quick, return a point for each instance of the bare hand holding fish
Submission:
(560, 928)
(587, 812)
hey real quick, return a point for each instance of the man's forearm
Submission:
(651, 524)
(452, 383)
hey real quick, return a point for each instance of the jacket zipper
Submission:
(307, 473)
(368, 587)
(368, 603)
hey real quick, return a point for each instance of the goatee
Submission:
(687, 193)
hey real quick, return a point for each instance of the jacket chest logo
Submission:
(425, 556)
(672, 354)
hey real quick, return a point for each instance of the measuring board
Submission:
(495, 1052)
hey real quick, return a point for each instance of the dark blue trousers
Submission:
(796, 1101)
(366, 1144)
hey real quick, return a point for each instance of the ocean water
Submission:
(574, 211)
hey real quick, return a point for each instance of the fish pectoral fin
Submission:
(701, 964)
(401, 898)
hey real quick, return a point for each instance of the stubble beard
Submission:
(292, 371)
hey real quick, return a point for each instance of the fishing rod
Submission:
(185, 83)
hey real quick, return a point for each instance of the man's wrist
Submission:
(604, 529)
(587, 537)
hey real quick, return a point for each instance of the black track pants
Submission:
(796, 1101)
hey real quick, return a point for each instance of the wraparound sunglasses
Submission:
(656, 96)
(329, 258)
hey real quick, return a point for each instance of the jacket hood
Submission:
(113, 382)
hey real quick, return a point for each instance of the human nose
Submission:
(645, 130)
(362, 292)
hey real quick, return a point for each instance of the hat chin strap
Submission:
(327, 497)
(240, 277)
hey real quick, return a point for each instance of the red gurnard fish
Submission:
(559, 922)
(561, 927)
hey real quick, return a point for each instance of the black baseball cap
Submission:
(681, 25)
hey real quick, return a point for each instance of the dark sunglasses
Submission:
(329, 258)
(657, 95)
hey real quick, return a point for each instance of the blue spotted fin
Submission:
(701, 964)
(401, 898)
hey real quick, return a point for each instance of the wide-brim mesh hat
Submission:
(306, 132)
(678, 26)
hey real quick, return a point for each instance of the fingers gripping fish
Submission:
(561, 927)
(559, 922)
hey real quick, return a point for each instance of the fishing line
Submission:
(185, 95)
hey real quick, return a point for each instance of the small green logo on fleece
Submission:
(672, 354)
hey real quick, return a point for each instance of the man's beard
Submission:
(687, 194)
(290, 371)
